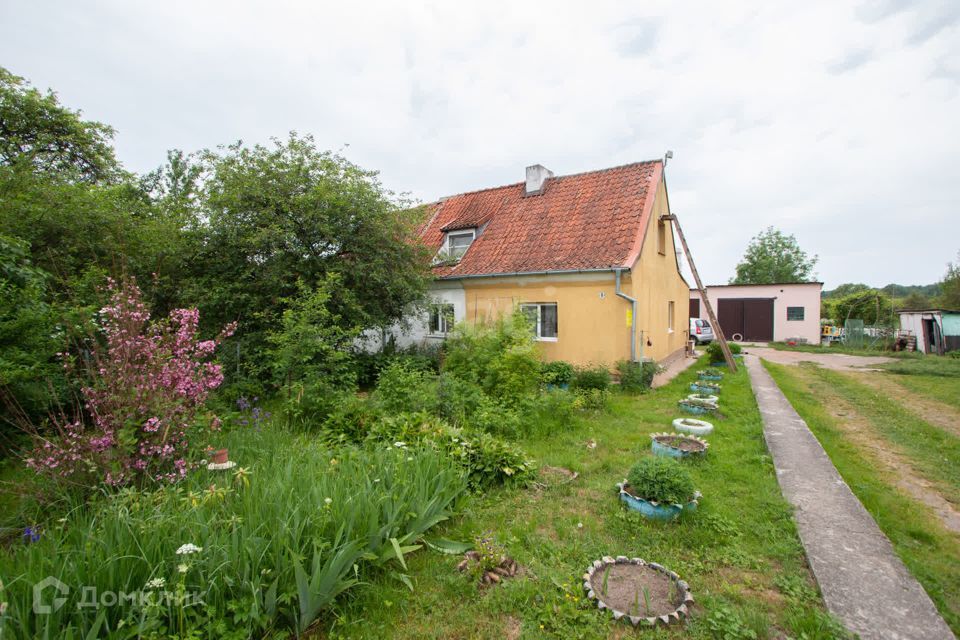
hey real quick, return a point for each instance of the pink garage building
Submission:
(764, 312)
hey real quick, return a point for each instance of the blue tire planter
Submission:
(695, 409)
(702, 386)
(699, 428)
(655, 510)
(713, 375)
(667, 450)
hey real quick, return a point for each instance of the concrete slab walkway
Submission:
(673, 368)
(863, 581)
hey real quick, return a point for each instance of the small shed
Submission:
(764, 312)
(937, 330)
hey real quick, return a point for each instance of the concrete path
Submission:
(863, 581)
(838, 361)
(672, 369)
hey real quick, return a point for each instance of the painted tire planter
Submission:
(704, 398)
(622, 568)
(702, 386)
(692, 426)
(695, 408)
(710, 374)
(655, 510)
(676, 445)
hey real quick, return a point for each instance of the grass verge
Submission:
(942, 388)
(740, 551)
(930, 552)
(934, 453)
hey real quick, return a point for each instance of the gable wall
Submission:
(657, 282)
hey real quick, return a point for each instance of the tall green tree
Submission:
(871, 306)
(39, 134)
(950, 286)
(774, 257)
(286, 212)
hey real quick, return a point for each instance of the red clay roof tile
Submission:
(593, 220)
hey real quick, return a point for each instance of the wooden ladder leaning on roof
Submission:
(717, 331)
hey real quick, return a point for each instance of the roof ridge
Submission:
(568, 175)
(614, 168)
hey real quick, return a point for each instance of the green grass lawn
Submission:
(930, 551)
(939, 387)
(739, 552)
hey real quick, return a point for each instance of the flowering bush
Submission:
(147, 384)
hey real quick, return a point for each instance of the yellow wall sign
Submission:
(629, 317)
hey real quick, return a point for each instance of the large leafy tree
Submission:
(39, 134)
(872, 306)
(774, 257)
(287, 212)
(950, 286)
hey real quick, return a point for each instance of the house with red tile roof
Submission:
(586, 256)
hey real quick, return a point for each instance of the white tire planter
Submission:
(691, 425)
(696, 397)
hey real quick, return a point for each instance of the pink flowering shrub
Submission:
(147, 384)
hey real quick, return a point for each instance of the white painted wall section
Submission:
(418, 325)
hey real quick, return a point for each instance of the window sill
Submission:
(546, 339)
(438, 336)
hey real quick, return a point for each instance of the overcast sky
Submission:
(836, 121)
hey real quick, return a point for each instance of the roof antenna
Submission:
(667, 156)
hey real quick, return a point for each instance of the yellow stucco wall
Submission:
(592, 321)
(658, 282)
(591, 327)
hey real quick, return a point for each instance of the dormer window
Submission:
(456, 244)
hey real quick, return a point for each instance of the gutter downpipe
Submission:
(633, 318)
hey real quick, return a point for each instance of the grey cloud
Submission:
(849, 62)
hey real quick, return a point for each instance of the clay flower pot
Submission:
(219, 456)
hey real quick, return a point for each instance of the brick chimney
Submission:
(536, 178)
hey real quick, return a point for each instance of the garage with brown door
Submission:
(751, 318)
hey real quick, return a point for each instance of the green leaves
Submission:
(40, 134)
(774, 257)
(662, 480)
(326, 580)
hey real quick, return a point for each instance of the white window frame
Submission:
(539, 323)
(670, 316)
(445, 322)
(447, 251)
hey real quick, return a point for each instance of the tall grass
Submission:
(280, 540)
